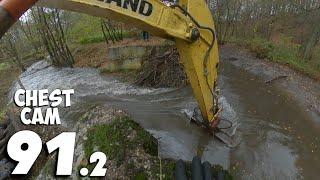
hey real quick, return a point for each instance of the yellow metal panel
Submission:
(193, 56)
(163, 21)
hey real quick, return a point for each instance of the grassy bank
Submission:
(128, 147)
(86, 29)
(284, 51)
(132, 152)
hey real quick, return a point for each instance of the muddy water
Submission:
(279, 140)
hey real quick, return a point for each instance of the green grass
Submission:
(4, 66)
(284, 52)
(87, 29)
(84, 26)
(112, 139)
(2, 114)
(316, 58)
(141, 176)
(91, 39)
(99, 38)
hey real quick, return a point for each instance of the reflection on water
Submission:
(279, 141)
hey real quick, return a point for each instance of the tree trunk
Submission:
(52, 33)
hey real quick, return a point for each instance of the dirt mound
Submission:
(162, 71)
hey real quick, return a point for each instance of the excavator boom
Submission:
(189, 23)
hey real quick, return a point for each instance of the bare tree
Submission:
(111, 30)
(26, 28)
(11, 40)
(251, 18)
(50, 27)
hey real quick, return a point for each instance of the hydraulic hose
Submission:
(180, 171)
(207, 171)
(196, 169)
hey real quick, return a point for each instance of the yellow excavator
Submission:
(188, 22)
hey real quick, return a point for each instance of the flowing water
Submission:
(278, 140)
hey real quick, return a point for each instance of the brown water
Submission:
(279, 140)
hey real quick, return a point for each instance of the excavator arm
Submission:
(189, 23)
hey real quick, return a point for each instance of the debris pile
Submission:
(162, 71)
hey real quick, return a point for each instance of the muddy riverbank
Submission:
(279, 117)
(300, 87)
